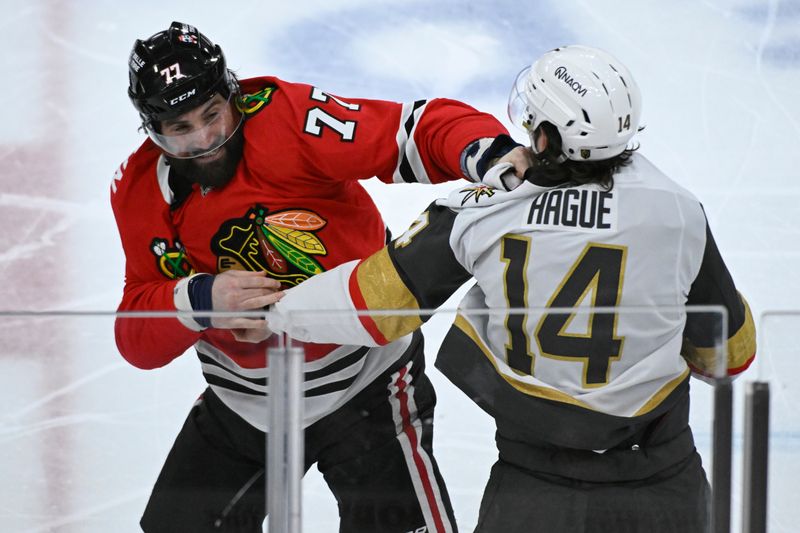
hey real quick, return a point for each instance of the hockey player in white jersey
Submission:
(591, 409)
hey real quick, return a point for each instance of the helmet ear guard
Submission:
(553, 150)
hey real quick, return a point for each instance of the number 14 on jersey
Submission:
(597, 274)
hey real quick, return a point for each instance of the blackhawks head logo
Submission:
(171, 259)
(250, 104)
(282, 243)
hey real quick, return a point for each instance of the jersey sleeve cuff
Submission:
(183, 303)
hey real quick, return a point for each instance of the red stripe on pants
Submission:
(411, 434)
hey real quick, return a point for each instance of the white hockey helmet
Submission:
(586, 93)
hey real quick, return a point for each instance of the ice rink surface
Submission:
(83, 434)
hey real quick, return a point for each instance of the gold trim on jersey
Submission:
(526, 388)
(523, 327)
(659, 396)
(551, 394)
(382, 288)
(741, 346)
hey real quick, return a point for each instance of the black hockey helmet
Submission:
(175, 71)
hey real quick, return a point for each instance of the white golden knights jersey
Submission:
(294, 208)
(581, 378)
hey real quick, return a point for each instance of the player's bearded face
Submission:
(215, 169)
(205, 144)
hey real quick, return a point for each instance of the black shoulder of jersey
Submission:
(712, 286)
(425, 260)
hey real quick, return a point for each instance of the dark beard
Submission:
(214, 174)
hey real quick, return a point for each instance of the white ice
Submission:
(83, 434)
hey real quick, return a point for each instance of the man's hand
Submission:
(507, 172)
(522, 159)
(254, 335)
(239, 290)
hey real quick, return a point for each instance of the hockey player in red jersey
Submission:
(247, 186)
(591, 408)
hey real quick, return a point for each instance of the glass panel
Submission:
(84, 434)
(778, 364)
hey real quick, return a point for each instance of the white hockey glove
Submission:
(501, 176)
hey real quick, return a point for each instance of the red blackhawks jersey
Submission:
(294, 208)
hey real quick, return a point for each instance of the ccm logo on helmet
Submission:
(562, 74)
(183, 97)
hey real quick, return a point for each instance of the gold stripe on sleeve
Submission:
(382, 288)
(741, 347)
